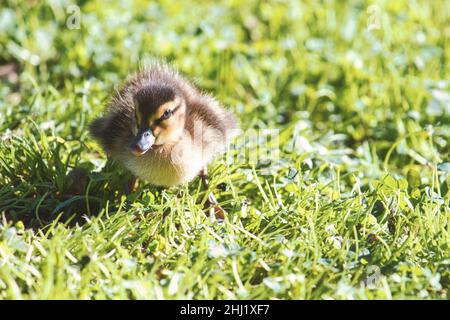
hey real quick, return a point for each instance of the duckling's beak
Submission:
(143, 142)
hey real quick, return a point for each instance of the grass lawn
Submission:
(354, 203)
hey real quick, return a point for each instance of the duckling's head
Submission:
(160, 117)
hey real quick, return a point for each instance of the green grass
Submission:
(359, 192)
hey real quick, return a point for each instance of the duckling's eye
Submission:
(166, 114)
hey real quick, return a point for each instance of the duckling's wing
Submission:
(213, 115)
(113, 131)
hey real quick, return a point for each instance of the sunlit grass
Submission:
(356, 205)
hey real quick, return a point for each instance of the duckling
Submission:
(162, 129)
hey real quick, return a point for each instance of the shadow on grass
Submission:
(83, 194)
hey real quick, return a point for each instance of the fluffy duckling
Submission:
(163, 129)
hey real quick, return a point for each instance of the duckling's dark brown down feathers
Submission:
(163, 82)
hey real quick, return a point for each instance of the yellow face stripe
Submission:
(171, 105)
(138, 117)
